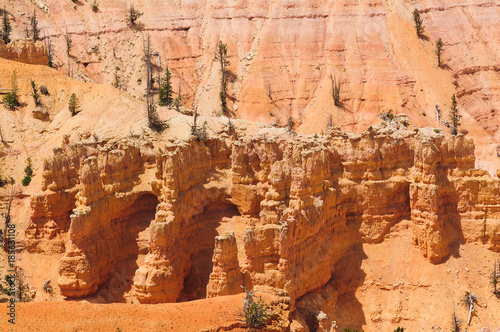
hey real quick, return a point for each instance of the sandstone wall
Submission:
(25, 52)
(295, 204)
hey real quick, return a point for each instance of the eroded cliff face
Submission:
(193, 219)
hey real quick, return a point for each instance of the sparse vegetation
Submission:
(221, 57)
(399, 329)
(257, 314)
(419, 27)
(50, 55)
(439, 50)
(269, 92)
(11, 99)
(454, 116)
(47, 288)
(154, 121)
(95, 6)
(26, 180)
(388, 116)
(469, 300)
(437, 130)
(200, 133)
(35, 94)
(43, 90)
(133, 15)
(455, 322)
(73, 105)
(495, 278)
(69, 42)
(35, 31)
(335, 90)
(329, 122)
(29, 172)
(165, 92)
(230, 126)
(290, 123)
(6, 27)
(117, 80)
(352, 330)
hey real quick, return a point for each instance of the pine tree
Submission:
(73, 105)
(454, 116)
(12, 98)
(439, 50)
(6, 28)
(50, 56)
(221, 56)
(165, 93)
(335, 90)
(418, 23)
(35, 94)
(34, 27)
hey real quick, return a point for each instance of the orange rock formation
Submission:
(295, 205)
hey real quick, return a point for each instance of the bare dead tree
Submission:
(469, 300)
(335, 90)
(69, 44)
(329, 123)
(455, 322)
(248, 301)
(50, 52)
(47, 288)
(178, 100)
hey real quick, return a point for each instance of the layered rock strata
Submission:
(296, 205)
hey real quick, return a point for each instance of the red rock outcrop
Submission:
(296, 205)
(25, 52)
(225, 278)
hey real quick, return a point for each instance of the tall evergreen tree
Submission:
(418, 23)
(454, 116)
(221, 56)
(439, 50)
(165, 93)
(34, 27)
(6, 28)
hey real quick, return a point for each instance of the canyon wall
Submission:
(25, 52)
(282, 54)
(273, 208)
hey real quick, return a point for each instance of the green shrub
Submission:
(11, 100)
(256, 316)
(95, 6)
(437, 130)
(28, 170)
(26, 181)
